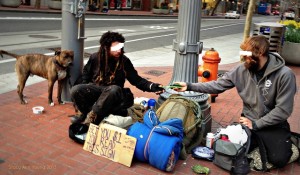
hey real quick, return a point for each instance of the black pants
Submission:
(116, 4)
(103, 100)
(277, 143)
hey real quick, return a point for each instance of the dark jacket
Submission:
(125, 70)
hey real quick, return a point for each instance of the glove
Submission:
(156, 87)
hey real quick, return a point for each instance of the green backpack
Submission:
(177, 106)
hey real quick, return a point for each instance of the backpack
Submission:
(231, 156)
(177, 106)
(137, 112)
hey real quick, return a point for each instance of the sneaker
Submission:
(77, 118)
(90, 118)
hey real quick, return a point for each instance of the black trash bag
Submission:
(77, 132)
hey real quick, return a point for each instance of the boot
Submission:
(77, 118)
(90, 118)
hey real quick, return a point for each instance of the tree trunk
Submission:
(215, 8)
(249, 19)
(37, 4)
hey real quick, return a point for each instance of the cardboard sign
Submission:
(91, 138)
(110, 142)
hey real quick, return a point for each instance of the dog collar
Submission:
(59, 66)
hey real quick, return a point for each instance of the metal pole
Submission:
(187, 47)
(72, 39)
(187, 44)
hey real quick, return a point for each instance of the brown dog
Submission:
(51, 68)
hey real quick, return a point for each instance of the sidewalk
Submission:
(39, 144)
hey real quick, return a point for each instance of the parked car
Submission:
(232, 14)
(289, 15)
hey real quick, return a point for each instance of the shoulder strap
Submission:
(248, 132)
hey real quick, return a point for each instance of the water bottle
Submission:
(151, 103)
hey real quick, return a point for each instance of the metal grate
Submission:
(155, 72)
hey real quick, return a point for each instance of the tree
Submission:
(249, 19)
(214, 9)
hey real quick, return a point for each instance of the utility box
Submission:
(274, 32)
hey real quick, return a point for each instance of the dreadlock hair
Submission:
(258, 44)
(103, 54)
(110, 37)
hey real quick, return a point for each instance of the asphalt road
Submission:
(39, 33)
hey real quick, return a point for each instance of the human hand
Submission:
(157, 88)
(245, 121)
(182, 88)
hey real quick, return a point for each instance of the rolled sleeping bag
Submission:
(141, 132)
(157, 143)
(164, 151)
(169, 135)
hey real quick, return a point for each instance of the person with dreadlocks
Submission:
(267, 88)
(102, 90)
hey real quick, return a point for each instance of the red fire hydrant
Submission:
(209, 70)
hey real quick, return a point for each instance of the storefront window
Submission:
(126, 4)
